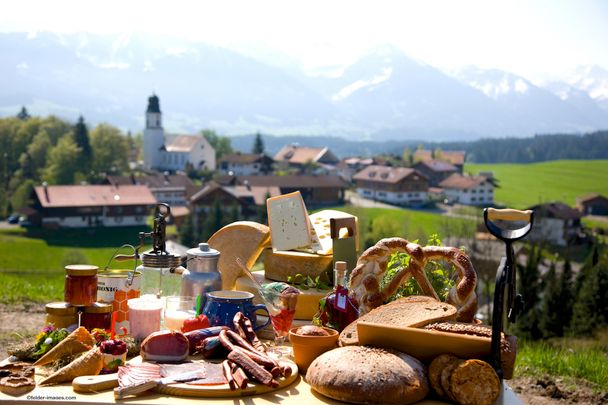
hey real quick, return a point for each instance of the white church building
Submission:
(173, 152)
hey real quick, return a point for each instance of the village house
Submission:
(394, 185)
(245, 164)
(82, 206)
(173, 152)
(172, 189)
(467, 190)
(435, 170)
(348, 167)
(299, 157)
(592, 204)
(322, 190)
(453, 157)
(556, 223)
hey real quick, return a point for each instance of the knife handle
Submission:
(122, 392)
(95, 383)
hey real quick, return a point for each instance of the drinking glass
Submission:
(177, 310)
(144, 316)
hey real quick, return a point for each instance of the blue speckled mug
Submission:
(221, 306)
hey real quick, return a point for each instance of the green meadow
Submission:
(524, 185)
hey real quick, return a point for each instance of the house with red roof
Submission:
(394, 185)
(83, 206)
(467, 190)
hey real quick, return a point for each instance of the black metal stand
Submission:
(505, 278)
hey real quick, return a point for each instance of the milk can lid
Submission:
(203, 250)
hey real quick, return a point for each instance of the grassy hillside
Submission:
(523, 185)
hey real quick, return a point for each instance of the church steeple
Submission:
(153, 114)
(153, 104)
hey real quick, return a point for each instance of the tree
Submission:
(110, 150)
(214, 220)
(23, 115)
(590, 309)
(221, 144)
(550, 323)
(81, 137)
(566, 299)
(262, 212)
(186, 232)
(408, 157)
(258, 144)
(62, 163)
(528, 280)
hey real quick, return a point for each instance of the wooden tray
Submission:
(105, 382)
(423, 344)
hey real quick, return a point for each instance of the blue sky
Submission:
(537, 39)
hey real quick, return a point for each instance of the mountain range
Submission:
(383, 95)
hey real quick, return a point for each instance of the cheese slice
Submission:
(243, 239)
(308, 300)
(280, 265)
(289, 223)
(322, 231)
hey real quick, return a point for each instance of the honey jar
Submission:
(98, 315)
(61, 314)
(80, 284)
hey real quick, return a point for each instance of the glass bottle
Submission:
(337, 310)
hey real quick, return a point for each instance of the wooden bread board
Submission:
(105, 382)
(422, 344)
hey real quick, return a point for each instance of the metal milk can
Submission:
(202, 275)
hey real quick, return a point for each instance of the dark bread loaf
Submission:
(412, 311)
(366, 375)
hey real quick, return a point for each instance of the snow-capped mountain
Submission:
(534, 106)
(383, 95)
(593, 80)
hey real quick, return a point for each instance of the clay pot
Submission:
(306, 348)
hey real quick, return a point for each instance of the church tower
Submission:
(154, 135)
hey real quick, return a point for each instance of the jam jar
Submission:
(98, 315)
(80, 284)
(61, 314)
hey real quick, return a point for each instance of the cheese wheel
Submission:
(243, 239)
(280, 265)
(308, 300)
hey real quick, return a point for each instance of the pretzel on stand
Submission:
(365, 278)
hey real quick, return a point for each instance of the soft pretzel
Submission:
(365, 278)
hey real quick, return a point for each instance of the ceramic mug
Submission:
(221, 306)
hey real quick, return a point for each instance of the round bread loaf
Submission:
(474, 382)
(436, 368)
(367, 375)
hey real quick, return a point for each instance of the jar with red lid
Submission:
(80, 284)
(98, 315)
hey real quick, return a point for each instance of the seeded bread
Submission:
(412, 311)
(367, 375)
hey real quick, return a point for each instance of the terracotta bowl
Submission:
(306, 348)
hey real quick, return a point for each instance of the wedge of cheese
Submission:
(289, 223)
(322, 233)
(243, 239)
(308, 300)
(280, 265)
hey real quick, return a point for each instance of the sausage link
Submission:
(238, 340)
(228, 374)
(251, 367)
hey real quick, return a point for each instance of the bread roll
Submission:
(474, 382)
(366, 375)
(436, 368)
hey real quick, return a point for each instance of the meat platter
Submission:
(104, 382)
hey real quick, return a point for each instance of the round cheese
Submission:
(243, 239)
(308, 300)
(280, 265)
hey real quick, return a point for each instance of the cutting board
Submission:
(423, 344)
(105, 382)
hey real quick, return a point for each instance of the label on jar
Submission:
(112, 287)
